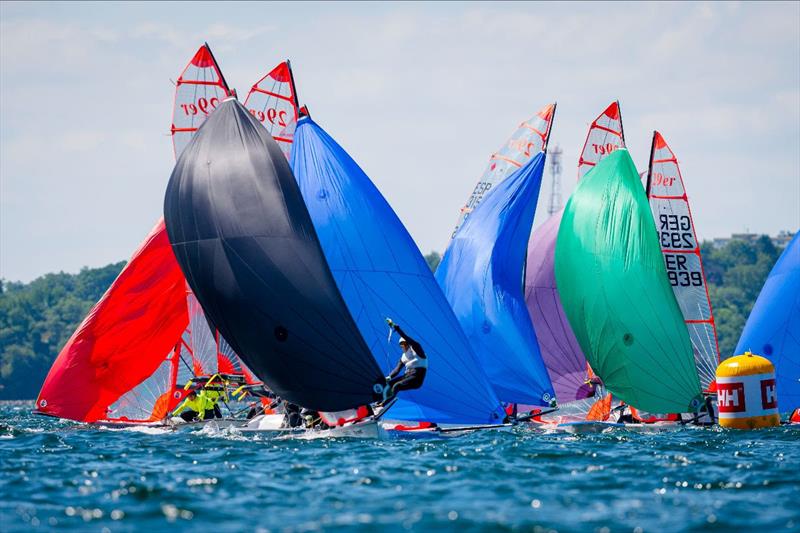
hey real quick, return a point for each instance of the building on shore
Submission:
(779, 241)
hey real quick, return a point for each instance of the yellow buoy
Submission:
(746, 395)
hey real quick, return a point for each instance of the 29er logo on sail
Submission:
(203, 105)
(274, 116)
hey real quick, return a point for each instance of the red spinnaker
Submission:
(124, 338)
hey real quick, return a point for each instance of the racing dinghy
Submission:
(575, 384)
(773, 327)
(482, 275)
(381, 273)
(246, 244)
(622, 310)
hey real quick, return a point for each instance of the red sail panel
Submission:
(273, 101)
(199, 89)
(681, 249)
(124, 339)
(605, 136)
(529, 139)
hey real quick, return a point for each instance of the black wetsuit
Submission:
(413, 377)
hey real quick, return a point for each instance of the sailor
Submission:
(212, 397)
(413, 359)
(192, 408)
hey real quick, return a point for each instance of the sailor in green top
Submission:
(202, 406)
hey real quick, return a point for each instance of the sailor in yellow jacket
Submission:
(202, 406)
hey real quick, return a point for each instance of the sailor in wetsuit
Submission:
(413, 360)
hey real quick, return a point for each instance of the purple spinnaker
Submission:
(560, 350)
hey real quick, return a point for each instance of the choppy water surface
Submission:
(57, 474)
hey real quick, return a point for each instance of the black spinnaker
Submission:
(246, 244)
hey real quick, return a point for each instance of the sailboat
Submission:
(622, 309)
(570, 373)
(482, 276)
(773, 327)
(381, 273)
(681, 250)
(527, 141)
(128, 360)
(247, 246)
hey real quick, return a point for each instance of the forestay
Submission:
(773, 327)
(530, 138)
(199, 90)
(482, 275)
(246, 244)
(273, 101)
(681, 250)
(381, 273)
(615, 293)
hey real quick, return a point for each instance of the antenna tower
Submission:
(555, 171)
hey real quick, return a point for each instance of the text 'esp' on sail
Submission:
(123, 340)
(678, 240)
(381, 273)
(560, 350)
(482, 276)
(615, 292)
(529, 139)
(273, 101)
(246, 244)
(199, 90)
(773, 327)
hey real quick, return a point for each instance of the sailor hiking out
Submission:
(413, 359)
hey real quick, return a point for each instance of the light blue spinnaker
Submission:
(381, 273)
(773, 328)
(482, 274)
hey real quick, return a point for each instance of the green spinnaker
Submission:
(615, 292)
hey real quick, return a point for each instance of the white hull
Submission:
(271, 425)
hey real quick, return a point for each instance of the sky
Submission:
(420, 95)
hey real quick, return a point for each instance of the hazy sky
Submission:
(420, 95)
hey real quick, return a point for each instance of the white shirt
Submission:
(411, 359)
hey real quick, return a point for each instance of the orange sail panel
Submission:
(605, 136)
(199, 90)
(125, 338)
(530, 138)
(273, 101)
(681, 250)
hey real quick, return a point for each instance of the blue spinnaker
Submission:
(773, 328)
(381, 273)
(482, 274)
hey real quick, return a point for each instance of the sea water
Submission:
(62, 475)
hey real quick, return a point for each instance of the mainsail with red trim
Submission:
(605, 136)
(530, 138)
(199, 90)
(273, 101)
(681, 249)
